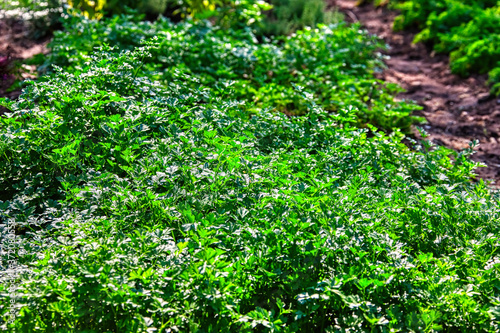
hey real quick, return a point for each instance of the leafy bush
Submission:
(285, 17)
(45, 17)
(40, 17)
(335, 63)
(147, 207)
(152, 191)
(467, 30)
(495, 79)
(227, 13)
(288, 16)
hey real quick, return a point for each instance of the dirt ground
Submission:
(15, 47)
(458, 110)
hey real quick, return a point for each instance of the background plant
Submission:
(467, 30)
(288, 16)
(334, 63)
(40, 18)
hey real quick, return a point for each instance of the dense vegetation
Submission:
(468, 30)
(290, 15)
(155, 186)
(286, 16)
(334, 64)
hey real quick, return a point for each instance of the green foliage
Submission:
(40, 17)
(334, 63)
(155, 188)
(227, 13)
(245, 12)
(230, 14)
(45, 17)
(495, 79)
(467, 30)
(288, 16)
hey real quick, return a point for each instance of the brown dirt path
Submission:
(457, 110)
(16, 46)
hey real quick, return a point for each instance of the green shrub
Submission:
(147, 207)
(40, 17)
(467, 30)
(45, 17)
(334, 63)
(288, 16)
(495, 79)
(154, 188)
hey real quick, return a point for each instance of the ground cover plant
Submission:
(467, 30)
(152, 192)
(335, 64)
(39, 18)
(288, 16)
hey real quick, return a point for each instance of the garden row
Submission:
(189, 178)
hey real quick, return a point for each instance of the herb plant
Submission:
(334, 63)
(155, 188)
(467, 30)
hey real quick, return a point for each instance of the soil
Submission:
(458, 110)
(15, 47)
